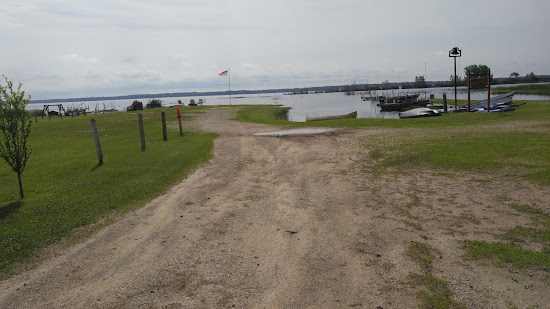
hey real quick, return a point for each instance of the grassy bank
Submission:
(534, 89)
(66, 188)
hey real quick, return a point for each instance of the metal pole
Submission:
(455, 83)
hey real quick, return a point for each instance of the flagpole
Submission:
(229, 71)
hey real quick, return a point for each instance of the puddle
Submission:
(295, 132)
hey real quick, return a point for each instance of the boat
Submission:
(350, 115)
(503, 99)
(401, 102)
(499, 108)
(399, 106)
(369, 96)
(419, 112)
(399, 98)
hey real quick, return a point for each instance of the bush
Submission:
(37, 112)
(136, 106)
(154, 103)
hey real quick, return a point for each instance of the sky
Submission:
(81, 48)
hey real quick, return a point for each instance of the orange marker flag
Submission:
(179, 113)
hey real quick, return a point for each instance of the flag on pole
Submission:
(224, 73)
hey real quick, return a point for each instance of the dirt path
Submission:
(289, 222)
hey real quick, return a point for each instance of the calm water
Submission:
(302, 105)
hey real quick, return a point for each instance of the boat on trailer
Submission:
(350, 115)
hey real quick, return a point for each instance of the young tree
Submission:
(476, 70)
(531, 77)
(15, 126)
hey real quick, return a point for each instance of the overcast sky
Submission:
(75, 48)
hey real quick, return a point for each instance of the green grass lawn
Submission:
(66, 188)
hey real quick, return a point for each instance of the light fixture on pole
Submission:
(455, 52)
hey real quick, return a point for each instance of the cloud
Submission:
(250, 66)
(140, 72)
(11, 15)
(74, 57)
(122, 45)
(180, 57)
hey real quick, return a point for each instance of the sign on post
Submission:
(478, 83)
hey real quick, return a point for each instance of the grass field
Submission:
(66, 188)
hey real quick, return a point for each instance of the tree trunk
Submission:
(20, 185)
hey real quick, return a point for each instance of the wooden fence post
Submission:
(179, 119)
(164, 136)
(445, 102)
(141, 131)
(97, 144)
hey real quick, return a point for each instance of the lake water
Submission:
(302, 105)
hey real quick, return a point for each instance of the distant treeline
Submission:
(418, 83)
(421, 83)
(160, 95)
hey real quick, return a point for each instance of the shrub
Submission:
(154, 103)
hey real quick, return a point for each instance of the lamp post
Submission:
(455, 52)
